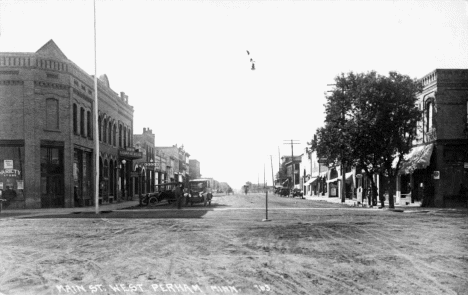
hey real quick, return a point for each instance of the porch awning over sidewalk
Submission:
(418, 158)
(348, 178)
(311, 180)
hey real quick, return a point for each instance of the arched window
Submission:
(75, 119)
(82, 122)
(114, 143)
(89, 124)
(110, 132)
(120, 135)
(52, 114)
(104, 131)
(125, 137)
(99, 127)
(429, 113)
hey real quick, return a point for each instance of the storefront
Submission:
(11, 173)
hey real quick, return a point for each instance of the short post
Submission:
(266, 207)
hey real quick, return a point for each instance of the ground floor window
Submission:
(11, 173)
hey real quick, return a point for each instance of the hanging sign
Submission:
(436, 174)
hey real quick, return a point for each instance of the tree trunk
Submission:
(390, 180)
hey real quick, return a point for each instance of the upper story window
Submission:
(110, 132)
(89, 124)
(99, 128)
(125, 138)
(104, 131)
(52, 114)
(82, 122)
(75, 119)
(120, 135)
(429, 114)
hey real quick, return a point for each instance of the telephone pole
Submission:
(272, 177)
(292, 142)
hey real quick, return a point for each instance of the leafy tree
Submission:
(370, 123)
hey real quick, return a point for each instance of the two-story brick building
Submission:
(47, 132)
(437, 166)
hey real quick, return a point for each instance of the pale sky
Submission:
(185, 67)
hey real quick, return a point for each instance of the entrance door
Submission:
(52, 186)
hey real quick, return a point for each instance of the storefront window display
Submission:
(11, 174)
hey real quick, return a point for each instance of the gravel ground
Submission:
(307, 247)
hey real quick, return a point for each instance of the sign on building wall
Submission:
(436, 174)
(7, 164)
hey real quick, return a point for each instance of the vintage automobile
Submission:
(297, 193)
(200, 191)
(284, 192)
(165, 191)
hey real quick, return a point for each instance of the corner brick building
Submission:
(437, 166)
(47, 133)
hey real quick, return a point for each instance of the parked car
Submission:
(297, 193)
(199, 192)
(284, 191)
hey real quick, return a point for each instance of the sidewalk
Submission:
(49, 211)
(353, 203)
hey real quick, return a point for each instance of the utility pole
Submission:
(293, 142)
(272, 177)
(96, 122)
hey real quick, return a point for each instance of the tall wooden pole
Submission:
(96, 126)
(272, 176)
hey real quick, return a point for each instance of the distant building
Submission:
(47, 140)
(177, 166)
(194, 169)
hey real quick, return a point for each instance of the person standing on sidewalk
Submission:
(179, 194)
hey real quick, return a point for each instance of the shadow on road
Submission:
(168, 213)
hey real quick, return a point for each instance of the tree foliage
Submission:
(370, 122)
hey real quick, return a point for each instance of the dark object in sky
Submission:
(248, 52)
(253, 67)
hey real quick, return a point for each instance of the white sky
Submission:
(185, 68)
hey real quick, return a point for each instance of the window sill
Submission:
(52, 130)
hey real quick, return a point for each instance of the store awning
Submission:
(418, 158)
(311, 180)
(323, 174)
(348, 177)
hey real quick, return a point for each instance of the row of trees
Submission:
(371, 121)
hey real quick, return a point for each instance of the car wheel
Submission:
(153, 201)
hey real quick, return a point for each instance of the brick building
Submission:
(437, 166)
(47, 133)
(152, 165)
(177, 166)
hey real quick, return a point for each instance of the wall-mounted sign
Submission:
(7, 164)
(130, 154)
(436, 174)
(10, 173)
(322, 160)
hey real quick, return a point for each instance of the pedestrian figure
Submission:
(179, 194)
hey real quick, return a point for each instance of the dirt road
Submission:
(307, 248)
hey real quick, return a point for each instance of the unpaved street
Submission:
(308, 247)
